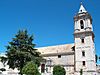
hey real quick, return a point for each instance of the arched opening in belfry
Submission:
(82, 24)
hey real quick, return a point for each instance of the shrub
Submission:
(30, 69)
(81, 72)
(59, 70)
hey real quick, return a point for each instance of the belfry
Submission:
(84, 42)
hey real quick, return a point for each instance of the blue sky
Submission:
(50, 21)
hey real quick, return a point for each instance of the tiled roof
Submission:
(56, 49)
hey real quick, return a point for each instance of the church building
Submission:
(74, 57)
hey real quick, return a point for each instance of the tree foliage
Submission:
(59, 70)
(2, 69)
(81, 72)
(3, 59)
(21, 50)
(30, 69)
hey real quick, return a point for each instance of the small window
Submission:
(83, 53)
(83, 63)
(47, 70)
(82, 40)
(59, 56)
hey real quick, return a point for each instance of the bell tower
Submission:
(84, 43)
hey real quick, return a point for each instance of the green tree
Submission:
(30, 69)
(81, 72)
(2, 69)
(59, 70)
(21, 50)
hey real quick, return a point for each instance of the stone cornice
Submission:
(80, 32)
(83, 16)
(56, 54)
(61, 65)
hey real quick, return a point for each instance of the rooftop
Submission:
(56, 49)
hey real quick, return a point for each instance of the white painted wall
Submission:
(87, 46)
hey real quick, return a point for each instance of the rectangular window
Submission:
(59, 56)
(83, 63)
(82, 40)
(83, 53)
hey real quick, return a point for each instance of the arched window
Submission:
(83, 63)
(82, 24)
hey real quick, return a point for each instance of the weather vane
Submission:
(81, 2)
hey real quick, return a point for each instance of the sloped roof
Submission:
(82, 9)
(56, 49)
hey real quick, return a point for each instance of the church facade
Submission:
(74, 57)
